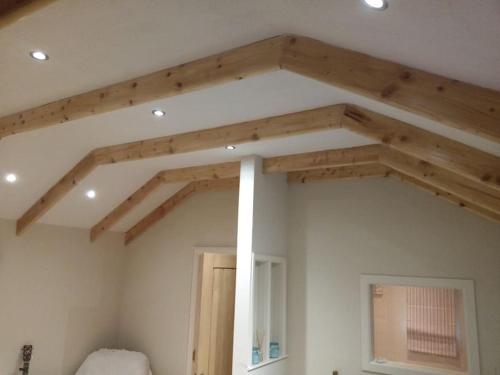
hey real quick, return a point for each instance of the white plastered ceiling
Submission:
(93, 43)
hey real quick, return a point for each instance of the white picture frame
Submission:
(394, 368)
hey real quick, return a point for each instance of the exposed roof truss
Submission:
(449, 166)
(322, 168)
(461, 105)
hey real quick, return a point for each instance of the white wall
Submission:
(341, 229)
(270, 212)
(59, 293)
(156, 298)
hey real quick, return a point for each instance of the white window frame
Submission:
(394, 368)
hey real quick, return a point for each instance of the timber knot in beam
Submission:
(388, 91)
(405, 76)
(352, 113)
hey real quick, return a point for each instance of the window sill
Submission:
(398, 368)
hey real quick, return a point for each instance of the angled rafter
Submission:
(273, 127)
(126, 206)
(217, 185)
(160, 212)
(339, 173)
(203, 172)
(303, 176)
(356, 162)
(379, 170)
(354, 170)
(56, 192)
(464, 106)
(464, 188)
(297, 162)
(235, 64)
(433, 148)
(323, 159)
(176, 199)
(440, 151)
(13, 10)
(474, 208)
(208, 172)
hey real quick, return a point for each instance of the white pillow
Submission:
(115, 362)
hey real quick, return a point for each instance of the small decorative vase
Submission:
(255, 355)
(274, 350)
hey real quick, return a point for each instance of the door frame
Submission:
(197, 251)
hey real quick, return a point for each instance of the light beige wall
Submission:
(59, 293)
(66, 301)
(157, 286)
(338, 230)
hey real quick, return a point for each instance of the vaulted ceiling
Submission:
(95, 43)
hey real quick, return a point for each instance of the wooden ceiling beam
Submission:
(126, 206)
(379, 170)
(175, 200)
(56, 192)
(303, 176)
(323, 159)
(236, 64)
(454, 156)
(202, 172)
(474, 208)
(13, 10)
(160, 212)
(339, 173)
(464, 106)
(442, 179)
(465, 192)
(438, 150)
(250, 131)
(207, 172)
(217, 185)
(296, 162)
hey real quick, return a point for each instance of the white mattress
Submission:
(115, 362)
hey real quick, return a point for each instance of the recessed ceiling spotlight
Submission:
(230, 147)
(377, 4)
(39, 55)
(90, 194)
(158, 112)
(10, 178)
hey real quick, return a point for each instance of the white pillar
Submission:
(261, 229)
(242, 343)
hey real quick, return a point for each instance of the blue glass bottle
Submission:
(274, 350)
(255, 355)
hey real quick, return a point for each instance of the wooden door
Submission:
(213, 354)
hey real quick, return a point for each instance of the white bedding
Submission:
(115, 362)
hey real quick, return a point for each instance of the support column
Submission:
(261, 229)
